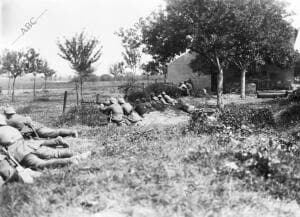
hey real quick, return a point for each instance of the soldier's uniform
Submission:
(115, 110)
(7, 170)
(168, 99)
(35, 153)
(189, 87)
(126, 106)
(25, 125)
(132, 116)
(185, 106)
(140, 108)
(156, 103)
(162, 100)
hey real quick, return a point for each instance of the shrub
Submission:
(199, 124)
(290, 115)
(236, 116)
(88, 115)
(233, 117)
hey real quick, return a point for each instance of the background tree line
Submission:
(18, 63)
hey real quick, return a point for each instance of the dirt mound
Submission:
(166, 118)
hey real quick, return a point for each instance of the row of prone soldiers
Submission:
(26, 146)
(162, 100)
(122, 112)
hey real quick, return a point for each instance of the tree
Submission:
(33, 65)
(48, 73)
(153, 68)
(117, 69)
(199, 25)
(221, 33)
(261, 35)
(131, 44)
(81, 54)
(164, 37)
(2, 71)
(203, 26)
(13, 62)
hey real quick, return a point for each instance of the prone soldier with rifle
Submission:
(10, 169)
(33, 129)
(35, 154)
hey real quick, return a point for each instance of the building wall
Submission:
(179, 71)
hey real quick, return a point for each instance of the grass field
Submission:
(151, 170)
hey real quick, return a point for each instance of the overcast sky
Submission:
(59, 18)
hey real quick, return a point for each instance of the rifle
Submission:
(24, 174)
(33, 130)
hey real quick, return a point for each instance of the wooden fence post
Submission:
(65, 101)
(97, 98)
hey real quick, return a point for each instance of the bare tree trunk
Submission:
(8, 87)
(13, 90)
(243, 83)
(45, 82)
(34, 86)
(81, 82)
(220, 86)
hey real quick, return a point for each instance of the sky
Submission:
(64, 18)
(52, 20)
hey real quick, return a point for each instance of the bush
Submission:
(290, 115)
(233, 117)
(88, 115)
(199, 124)
(236, 116)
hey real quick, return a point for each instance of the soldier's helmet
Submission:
(113, 100)
(9, 111)
(106, 102)
(2, 120)
(121, 100)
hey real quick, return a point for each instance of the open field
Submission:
(157, 169)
